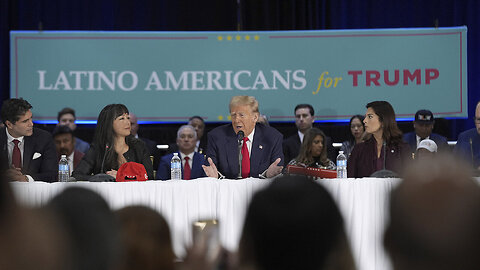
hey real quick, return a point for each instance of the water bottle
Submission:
(63, 169)
(341, 165)
(175, 167)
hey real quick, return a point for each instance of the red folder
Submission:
(315, 172)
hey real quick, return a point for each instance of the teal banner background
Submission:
(170, 76)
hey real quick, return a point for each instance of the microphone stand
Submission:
(240, 136)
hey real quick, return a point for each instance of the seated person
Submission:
(113, 145)
(191, 161)
(383, 148)
(151, 145)
(423, 125)
(198, 124)
(357, 130)
(426, 149)
(65, 145)
(294, 223)
(468, 143)
(66, 117)
(27, 153)
(313, 152)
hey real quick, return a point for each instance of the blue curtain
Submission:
(230, 15)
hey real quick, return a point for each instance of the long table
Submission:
(363, 203)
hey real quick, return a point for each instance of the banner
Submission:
(170, 76)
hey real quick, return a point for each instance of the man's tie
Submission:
(245, 159)
(186, 169)
(16, 155)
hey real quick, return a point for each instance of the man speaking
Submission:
(244, 149)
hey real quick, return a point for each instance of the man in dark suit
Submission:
(201, 145)
(27, 153)
(468, 143)
(423, 125)
(65, 145)
(191, 161)
(261, 147)
(304, 118)
(151, 145)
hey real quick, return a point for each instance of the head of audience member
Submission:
(91, 226)
(146, 239)
(313, 148)
(66, 117)
(198, 124)
(186, 139)
(263, 119)
(64, 140)
(133, 124)
(434, 217)
(380, 122)
(304, 117)
(294, 223)
(357, 127)
(477, 117)
(423, 123)
(17, 116)
(426, 149)
(244, 113)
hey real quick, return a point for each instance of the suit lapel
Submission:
(28, 149)
(232, 156)
(256, 154)
(197, 165)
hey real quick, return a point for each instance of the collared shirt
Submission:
(420, 139)
(250, 142)
(70, 162)
(10, 144)
(190, 160)
(301, 135)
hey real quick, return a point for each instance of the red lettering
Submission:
(431, 74)
(386, 79)
(355, 74)
(409, 76)
(372, 76)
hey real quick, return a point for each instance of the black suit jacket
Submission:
(223, 149)
(43, 167)
(291, 148)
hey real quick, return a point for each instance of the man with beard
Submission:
(65, 145)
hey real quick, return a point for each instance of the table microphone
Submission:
(102, 177)
(240, 136)
(384, 173)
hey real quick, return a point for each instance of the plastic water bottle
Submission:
(63, 169)
(341, 165)
(175, 167)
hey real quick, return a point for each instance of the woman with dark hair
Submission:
(383, 148)
(357, 129)
(313, 152)
(113, 145)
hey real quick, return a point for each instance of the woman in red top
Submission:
(384, 148)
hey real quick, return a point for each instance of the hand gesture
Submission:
(274, 169)
(210, 171)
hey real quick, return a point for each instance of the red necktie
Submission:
(245, 159)
(16, 155)
(186, 169)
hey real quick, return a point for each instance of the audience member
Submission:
(423, 125)
(91, 226)
(146, 240)
(261, 147)
(304, 118)
(66, 117)
(426, 149)
(198, 124)
(434, 218)
(30, 151)
(191, 161)
(294, 223)
(468, 143)
(384, 149)
(113, 145)
(357, 131)
(151, 145)
(313, 153)
(65, 145)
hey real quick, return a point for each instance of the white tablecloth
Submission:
(363, 203)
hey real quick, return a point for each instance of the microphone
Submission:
(471, 151)
(103, 177)
(384, 154)
(240, 136)
(384, 173)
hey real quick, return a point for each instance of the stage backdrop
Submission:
(170, 76)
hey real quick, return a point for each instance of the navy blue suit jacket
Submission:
(468, 146)
(43, 168)
(411, 139)
(222, 147)
(163, 171)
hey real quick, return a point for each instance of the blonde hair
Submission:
(244, 100)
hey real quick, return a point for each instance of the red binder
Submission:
(315, 172)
